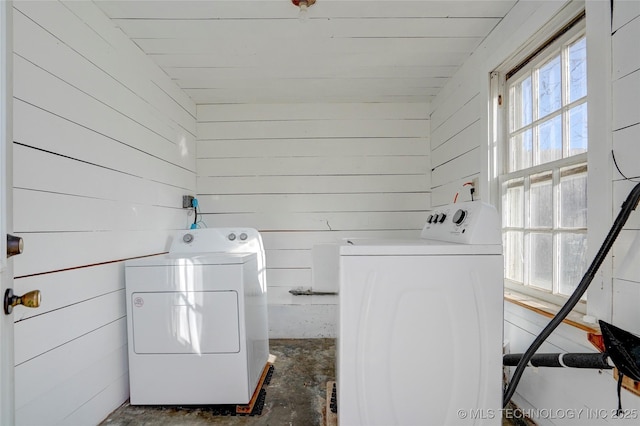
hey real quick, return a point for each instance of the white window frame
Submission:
(500, 124)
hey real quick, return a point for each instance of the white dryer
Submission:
(197, 319)
(420, 324)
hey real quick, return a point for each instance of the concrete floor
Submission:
(295, 396)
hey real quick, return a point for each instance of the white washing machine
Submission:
(197, 319)
(420, 324)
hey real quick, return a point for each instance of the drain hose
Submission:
(628, 206)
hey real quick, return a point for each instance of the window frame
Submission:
(566, 36)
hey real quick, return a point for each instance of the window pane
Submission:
(544, 205)
(513, 256)
(521, 104)
(573, 261)
(541, 253)
(573, 197)
(578, 130)
(513, 203)
(549, 87)
(520, 151)
(541, 201)
(549, 141)
(578, 70)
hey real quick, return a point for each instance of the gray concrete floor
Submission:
(295, 396)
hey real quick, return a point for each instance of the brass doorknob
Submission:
(15, 245)
(29, 300)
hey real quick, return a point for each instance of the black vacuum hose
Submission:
(628, 206)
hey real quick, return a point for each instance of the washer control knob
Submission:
(459, 216)
(435, 218)
(442, 217)
(231, 236)
(243, 236)
(187, 238)
(430, 218)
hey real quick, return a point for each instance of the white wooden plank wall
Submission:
(626, 136)
(456, 157)
(305, 174)
(459, 117)
(458, 131)
(104, 150)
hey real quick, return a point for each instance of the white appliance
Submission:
(197, 319)
(420, 324)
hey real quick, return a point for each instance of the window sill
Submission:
(549, 310)
(574, 319)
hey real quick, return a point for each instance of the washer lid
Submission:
(181, 259)
(417, 247)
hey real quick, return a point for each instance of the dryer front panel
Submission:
(185, 322)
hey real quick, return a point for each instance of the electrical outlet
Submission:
(187, 201)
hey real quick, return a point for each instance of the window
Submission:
(543, 178)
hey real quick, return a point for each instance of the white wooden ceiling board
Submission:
(245, 112)
(315, 91)
(325, 70)
(322, 9)
(312, 62)
(198, 42)
(272, 46)
(302, 84)
(313, 29)
(312, 90)
(332, 93)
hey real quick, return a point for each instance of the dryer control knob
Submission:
(231, 236)
(443, 216)
(243, 236)
(459, 217)
(187, 238)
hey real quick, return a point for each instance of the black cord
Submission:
(628, 206)
(195, 216)
(620, 379)
(615, 163)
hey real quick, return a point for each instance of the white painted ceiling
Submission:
(241, 51)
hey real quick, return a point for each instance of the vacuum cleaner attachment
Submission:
(628, 206)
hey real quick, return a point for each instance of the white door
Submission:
(6, 210)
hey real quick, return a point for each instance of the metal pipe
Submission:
(598, 361)
(628, 206)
